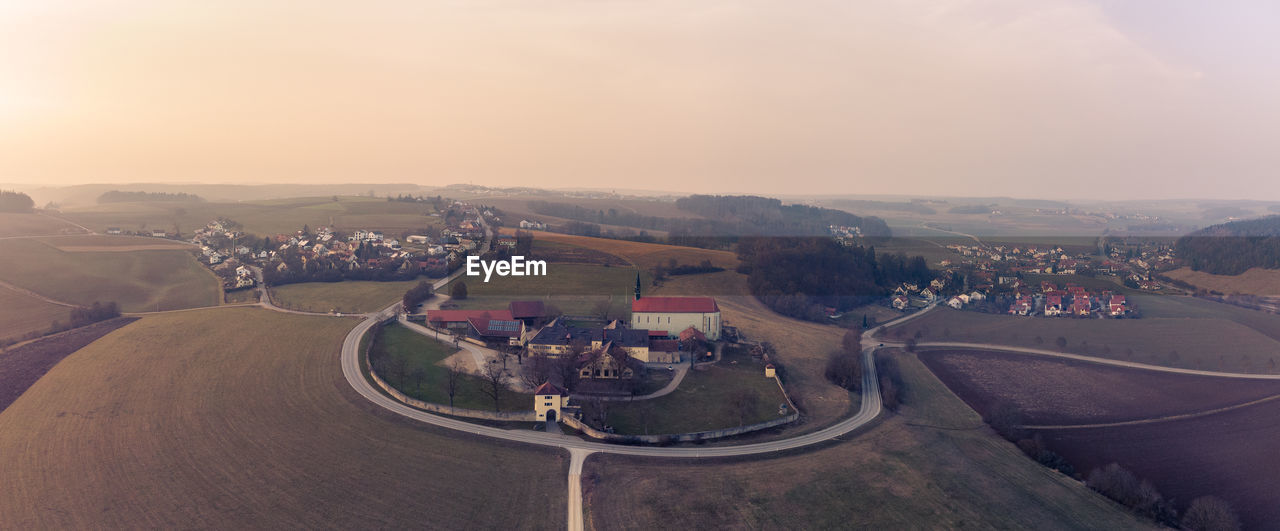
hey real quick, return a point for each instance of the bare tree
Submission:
(743, 404)
(537, 372)
(451, 382)
(493, 375)
(1208, 513)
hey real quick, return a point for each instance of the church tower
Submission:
(637, 286)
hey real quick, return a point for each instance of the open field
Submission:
(556, 252)
(420, 352)
(139, 281)
(33, 225)
(259, 217)
(104, 243)
(240, 418)
(933, 250)
(1063, 392)
(22, 366)
(21, 314)
(1190, 307)
(643, 255)
(932, 465)
(704, 401)
(1230, 455)
(1189, 343)
(1256, 281)
(575, 289)
(348, 296)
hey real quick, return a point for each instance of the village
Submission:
(1017, 280)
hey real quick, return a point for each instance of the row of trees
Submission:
(117, 196)
(417, 295)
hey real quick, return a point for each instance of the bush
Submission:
(1210, 513)
(458, 291)
(1120, 485)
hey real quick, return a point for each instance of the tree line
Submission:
(800, 277)
(13, 201)
(118, 196)
(1232, 248)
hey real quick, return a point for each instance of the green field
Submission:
(139, 281)
(931, 466)
(1189, 343)
(22, 314)
(240, 418)
(933, 249)
(260, 217)
(575, 289)
(349, 296)
(420, 352)
(703, 401)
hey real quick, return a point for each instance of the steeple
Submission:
(637, 286)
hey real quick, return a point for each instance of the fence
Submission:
(519, 416)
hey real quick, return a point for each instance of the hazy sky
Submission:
(1050, 98)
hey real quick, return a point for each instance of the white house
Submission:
(955, 302)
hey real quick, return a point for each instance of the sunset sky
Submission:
(1050, 98)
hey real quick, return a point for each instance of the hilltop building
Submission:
(675, 314)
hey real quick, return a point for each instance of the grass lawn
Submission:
(703, 401)
(575, 289)
(931, 466)
(21, 314)
(140, 281)
(240, 418)
(1190, 343)
(420, 352)
(348, 296)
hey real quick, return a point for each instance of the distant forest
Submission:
(117, 196)
(721, 216)
(914, 207)
(11, 201)
(1232, 248)
(799, 277)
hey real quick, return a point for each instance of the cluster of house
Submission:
(532, 225)
(907, 293)
(362, 248)
(661, 330)
(847, 236)
(1135, 262)
(1074, 300)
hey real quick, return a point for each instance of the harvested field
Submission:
(22, 366)
(1057, 392)
(564, 253)
(1230, 455)
(1189, 343)
(33, 225)
(98, 243)
(239, 418)
(932, 466)
(1256, 281)
(22, 314)
(139, 281)
(348, 296)
(643, 255)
